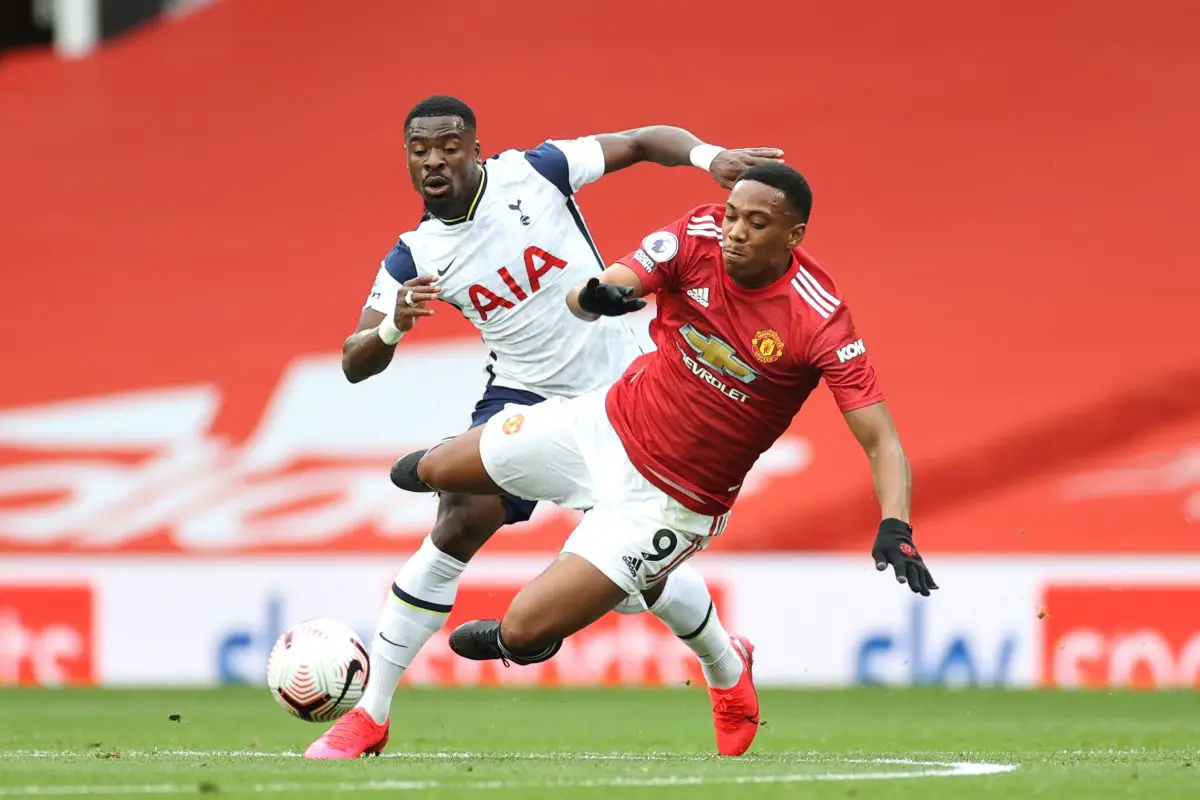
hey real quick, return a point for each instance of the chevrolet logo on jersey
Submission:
(715, 358)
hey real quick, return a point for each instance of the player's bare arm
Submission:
(875, 430)
(369, 350)
(676, 147)
(617, 291)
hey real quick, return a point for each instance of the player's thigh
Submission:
(465, 522)
(567, 597)
(533, 452)
(635, 549)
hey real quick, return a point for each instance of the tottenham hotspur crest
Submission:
(517, 208)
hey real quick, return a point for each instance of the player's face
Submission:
(443, 158)
(760, 232)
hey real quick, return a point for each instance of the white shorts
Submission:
(566, 452)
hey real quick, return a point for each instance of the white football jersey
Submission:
(508, 264)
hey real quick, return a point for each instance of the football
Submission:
(318, 670)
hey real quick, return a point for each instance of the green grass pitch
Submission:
(530, 743)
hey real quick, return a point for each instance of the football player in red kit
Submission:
(748, 324)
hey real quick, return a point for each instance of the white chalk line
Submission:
(930, 769)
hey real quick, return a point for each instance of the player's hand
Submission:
(728, 165)
(412, 301)
(608, 299)
(894, 545)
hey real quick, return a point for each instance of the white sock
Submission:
(686, 607)
(417, 609)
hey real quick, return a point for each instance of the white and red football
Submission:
(318, 669)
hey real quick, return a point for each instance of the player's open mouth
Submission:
(436, 186)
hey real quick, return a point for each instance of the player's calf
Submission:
(570, 595)
(567, 597)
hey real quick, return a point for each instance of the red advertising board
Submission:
(1144, 636)
(47, 635)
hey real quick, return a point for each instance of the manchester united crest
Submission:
(513, 424)
(767, 346)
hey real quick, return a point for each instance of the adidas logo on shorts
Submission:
(633, 563)
(699, 295)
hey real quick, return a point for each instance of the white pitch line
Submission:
(933, 769)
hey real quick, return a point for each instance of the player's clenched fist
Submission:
(412, 301)
(728, 165)
(894, 545)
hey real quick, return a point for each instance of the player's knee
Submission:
(465, 523)
(527, 633)
(432, 468)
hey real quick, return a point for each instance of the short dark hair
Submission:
(440, 105)
(787, 180)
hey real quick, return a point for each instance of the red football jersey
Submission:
(733, 365)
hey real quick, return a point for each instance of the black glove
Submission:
(608, 299)
(894, 545)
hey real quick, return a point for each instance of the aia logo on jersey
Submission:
(852, 350)
(513, 424)
(767, 346)
(538, 264)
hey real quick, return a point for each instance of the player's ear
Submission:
(478, 150)
(796, 235)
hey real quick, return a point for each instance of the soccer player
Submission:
(504, 241)
(747, 325)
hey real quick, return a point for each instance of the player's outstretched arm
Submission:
(369, 350)
(873, 427)
(676, 147)
(617, 291)
(876, 432)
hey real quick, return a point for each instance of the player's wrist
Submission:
(388, 332)
(702, 155)
(892, 525)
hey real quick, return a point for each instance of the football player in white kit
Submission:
(503, 241)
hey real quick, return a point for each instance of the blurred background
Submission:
(196, 196)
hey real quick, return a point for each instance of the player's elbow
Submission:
(355, 366)
(348, 366)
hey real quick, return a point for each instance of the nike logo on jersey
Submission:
(699, 295)
(446, 268)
